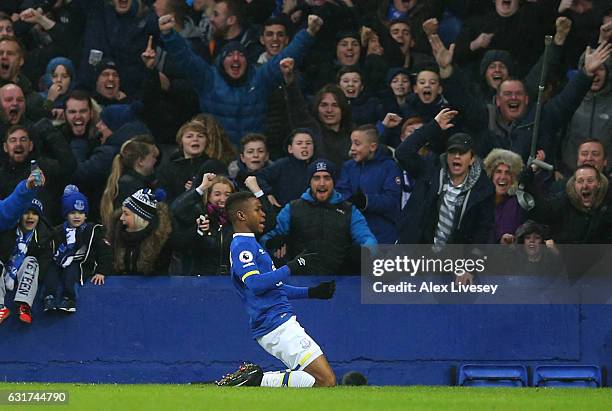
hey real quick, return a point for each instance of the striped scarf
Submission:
(453, 198)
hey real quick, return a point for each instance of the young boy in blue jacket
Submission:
(371, 180)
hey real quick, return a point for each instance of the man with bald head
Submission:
(13, 105)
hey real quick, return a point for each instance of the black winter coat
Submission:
(92, 243)
(420, 216)
(176, 172)
(206, 254)
(569, 221)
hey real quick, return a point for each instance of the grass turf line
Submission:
(206, 397)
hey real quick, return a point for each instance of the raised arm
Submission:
(296, 49)
(15, 204)
(407, 153)
(192, 66)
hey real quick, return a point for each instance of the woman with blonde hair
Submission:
(202, 233)
(133, 169)
(189, 162)
(141, 234)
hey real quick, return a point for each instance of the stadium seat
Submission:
(579, 376)
(492, 375)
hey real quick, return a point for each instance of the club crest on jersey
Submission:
(246, 257)
(305, 343)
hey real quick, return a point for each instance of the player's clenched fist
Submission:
(323, 291)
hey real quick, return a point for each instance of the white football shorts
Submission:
(290, 344)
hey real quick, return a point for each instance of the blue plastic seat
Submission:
(566, 376)
(492, 375)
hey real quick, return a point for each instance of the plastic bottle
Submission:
(36, 172)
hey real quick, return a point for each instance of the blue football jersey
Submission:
(269, 309)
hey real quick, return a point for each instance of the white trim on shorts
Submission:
(289, 343)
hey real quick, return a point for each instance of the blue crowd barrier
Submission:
(193, 329)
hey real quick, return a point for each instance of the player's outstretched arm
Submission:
(259, 282)
(323, 291)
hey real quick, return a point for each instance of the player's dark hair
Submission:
(236, 202)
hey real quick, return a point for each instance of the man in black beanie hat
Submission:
(108, 84)
(321, 221)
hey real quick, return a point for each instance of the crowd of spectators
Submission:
(355, 122)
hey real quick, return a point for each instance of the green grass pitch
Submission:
(210, 398)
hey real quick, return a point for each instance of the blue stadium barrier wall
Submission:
(194, 329)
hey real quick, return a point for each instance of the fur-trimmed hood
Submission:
(148, 250)
(574, 197)
(499, 156)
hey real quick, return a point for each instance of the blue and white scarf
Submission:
(65, 253)
(19, 254)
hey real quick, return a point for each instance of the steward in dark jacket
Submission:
(321, 221)
(471, 213)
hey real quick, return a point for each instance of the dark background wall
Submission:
(193, 329)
